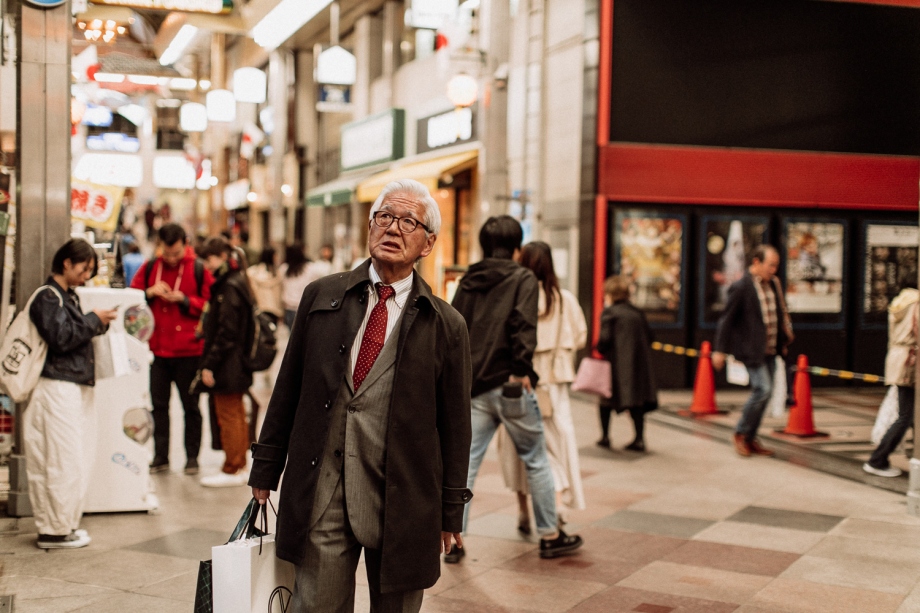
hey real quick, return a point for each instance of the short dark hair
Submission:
(500, 237)
(76, 250)
(217, 245)
(171, 233)
(760, 252)
(244, 236)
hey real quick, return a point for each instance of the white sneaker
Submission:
(68, 541)
(891, 471)
(225, 480)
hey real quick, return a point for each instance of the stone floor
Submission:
(687, 527)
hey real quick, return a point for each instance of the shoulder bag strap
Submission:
(552, 362)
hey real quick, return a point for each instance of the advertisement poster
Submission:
(891, 261)
(814, 267)
(95, 205)
(650, 250)
(727, 245)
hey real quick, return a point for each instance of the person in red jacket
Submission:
(177, 287)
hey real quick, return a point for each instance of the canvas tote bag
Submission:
(22, 353)
(594, 377)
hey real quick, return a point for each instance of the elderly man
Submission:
(754, 328)
(371, 414)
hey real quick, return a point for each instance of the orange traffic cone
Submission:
(801, 416)
(704, 389)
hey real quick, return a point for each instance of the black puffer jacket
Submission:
(226, 327)
(498, 300)
(69, 334)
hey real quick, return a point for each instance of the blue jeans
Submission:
(527, 434)
(761, 390)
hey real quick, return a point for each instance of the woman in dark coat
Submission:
(225, 326)
(625, 341)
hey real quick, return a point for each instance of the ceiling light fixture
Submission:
(109, 77)
(284, 20)
(178, 45)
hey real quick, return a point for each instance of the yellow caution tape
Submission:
(814, 370)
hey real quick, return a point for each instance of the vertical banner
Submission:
(95, 205)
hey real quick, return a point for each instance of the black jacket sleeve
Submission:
(522, 326)
(63, 328)
(605, 338)
(726, 324)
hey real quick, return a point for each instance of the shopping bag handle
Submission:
(246, 527)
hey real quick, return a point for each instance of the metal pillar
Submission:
(43, 148)
(913, 488)
(280, 82)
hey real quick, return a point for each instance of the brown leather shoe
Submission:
(741, 446)
(756, 449)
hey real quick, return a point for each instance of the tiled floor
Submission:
(689, 527)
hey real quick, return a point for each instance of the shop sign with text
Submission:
(445, 129)
(375, 139)
(214, 7)
(97, 206)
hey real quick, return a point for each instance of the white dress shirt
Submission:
(395, 305)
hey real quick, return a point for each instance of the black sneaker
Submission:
(191, 467)
(74, 540)
(454, 555)
(560, 546)
(159, 465)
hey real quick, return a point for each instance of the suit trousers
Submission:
(163, 373)
(325, 582)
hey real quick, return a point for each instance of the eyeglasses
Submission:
(406, 224)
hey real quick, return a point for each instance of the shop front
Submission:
(706, 153)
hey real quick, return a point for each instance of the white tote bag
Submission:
(247, 580)
(777, 404)
(736, 372)
(23, 353)
(887, 415)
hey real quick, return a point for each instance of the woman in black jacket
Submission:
(226, 325)
(59, 423)
(625, 340)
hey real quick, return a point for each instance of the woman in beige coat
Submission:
(900, 365)
(561, 331)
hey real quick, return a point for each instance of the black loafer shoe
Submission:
(560, 546)
(454, 555)
(159, 465)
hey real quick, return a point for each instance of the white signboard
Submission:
(430, 14)
(376, 139)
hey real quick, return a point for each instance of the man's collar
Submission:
(401, 287)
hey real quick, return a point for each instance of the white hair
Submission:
(419, 193)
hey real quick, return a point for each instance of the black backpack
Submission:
(263, 341)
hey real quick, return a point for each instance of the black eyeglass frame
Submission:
(397, 221)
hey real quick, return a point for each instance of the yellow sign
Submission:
(95, 205)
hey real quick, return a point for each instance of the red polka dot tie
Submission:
(375, 335)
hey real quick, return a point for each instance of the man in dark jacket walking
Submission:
(177, 287)
(754, 328)
(371, 415)
(498, 299)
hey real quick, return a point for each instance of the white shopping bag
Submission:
(245, 581)
(780, 390)
(735, 372)
(887, 415)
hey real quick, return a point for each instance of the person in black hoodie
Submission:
(59, 423)
(225, 326)
(498, 299)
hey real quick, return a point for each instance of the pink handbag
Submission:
(593, 377)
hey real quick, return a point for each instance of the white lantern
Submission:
(249, 85)
(221, 105)
(193, 117)
(462, 90)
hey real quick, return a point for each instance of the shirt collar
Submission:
(401, 287)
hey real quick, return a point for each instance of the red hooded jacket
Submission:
(174, 334)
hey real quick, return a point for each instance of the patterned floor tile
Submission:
(655, 523)
(781, 518)
(192, 544)
(696, 582)
(510, 589)
(732, 557)
(628, 547)
(586, 565)
(642, 601)
(877, 575)
(807, 597)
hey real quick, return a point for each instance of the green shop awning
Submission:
(335, 192)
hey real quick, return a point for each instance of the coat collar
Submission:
(420, 289)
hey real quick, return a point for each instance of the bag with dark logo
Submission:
(22, 353)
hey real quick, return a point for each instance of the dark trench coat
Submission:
(428, 434)
(625, 341)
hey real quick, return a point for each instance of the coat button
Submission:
(178, 328)
(465, 496)
(313, 462)
(334, 303)
(338, 453)
(352, 409)
(328, 405)
(341, 348)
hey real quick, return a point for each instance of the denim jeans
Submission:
(761, 390)
(527, 434)
(898, 429)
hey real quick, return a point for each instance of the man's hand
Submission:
(207, 377)
(718, 360)
(158, 290)
(106, 315)
(445, 538)
(173, 296)
(262, 496)
(524, 381)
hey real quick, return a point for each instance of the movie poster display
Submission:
(891, 263)
(650, 251)
(725, 244)
(814, 266)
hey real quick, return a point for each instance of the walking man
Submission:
(177, 287)
(754, 328)
(370, 416)
(498, 299)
